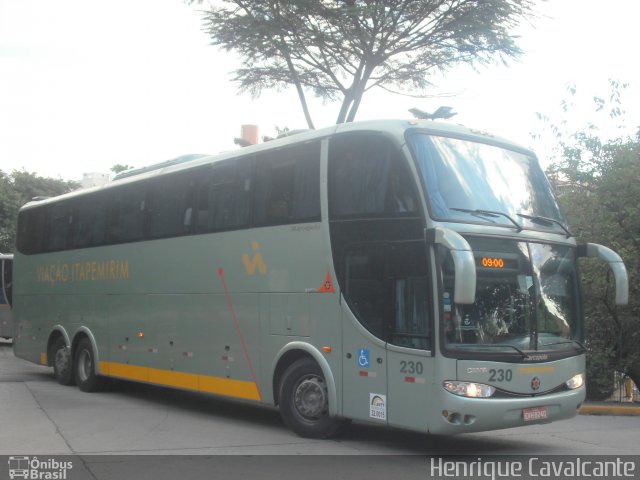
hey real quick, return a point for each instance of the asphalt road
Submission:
(41, 416)
(184, 432)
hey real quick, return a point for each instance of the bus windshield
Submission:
(526, 299)
(473, 182)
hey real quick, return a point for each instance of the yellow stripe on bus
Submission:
(526, 370)
(187, 381)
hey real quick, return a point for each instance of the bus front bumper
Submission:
(464, 415)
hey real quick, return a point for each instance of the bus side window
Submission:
(30, 231)
(200, 217)
(386, 286)
(367, 287)
(230, 195)
(408, 271)
(401, 198)
(369, 178)
(58, 220)
(126, 216)
(167, 206)
(288, 186)
(89, 225)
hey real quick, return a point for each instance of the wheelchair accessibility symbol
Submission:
(364, 358)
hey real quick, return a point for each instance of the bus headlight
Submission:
(576, 381)
(469, 389)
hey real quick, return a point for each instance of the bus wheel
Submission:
(85, 372)
(62, 364)
(304, 401)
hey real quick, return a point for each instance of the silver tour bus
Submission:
(404, 273)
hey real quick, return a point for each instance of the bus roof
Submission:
(393, 127)
(157, 166)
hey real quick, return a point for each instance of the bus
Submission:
(404, 273)
(6, 325)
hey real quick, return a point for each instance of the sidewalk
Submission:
(610, 408)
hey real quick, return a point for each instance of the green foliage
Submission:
(118, 167)
(341, 49)
(16, 189)
(598, 183)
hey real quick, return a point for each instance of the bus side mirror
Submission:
(463, 261)
(615, 263)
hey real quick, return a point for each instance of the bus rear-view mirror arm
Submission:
(615, 263)
(463, 261)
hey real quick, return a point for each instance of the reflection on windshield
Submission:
(461, 177)
(556, 276)
(525, 298)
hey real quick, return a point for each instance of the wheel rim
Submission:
(85, 364)
(62, 361)
(310, 397)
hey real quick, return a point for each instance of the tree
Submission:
(342, 48)
(118, 167)
(18, 188)
(597, 183)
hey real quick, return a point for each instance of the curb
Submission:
(614, 409)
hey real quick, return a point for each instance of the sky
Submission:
(87, 84)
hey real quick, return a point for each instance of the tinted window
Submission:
(7, 281)
(387, 289)
(30, 230)
(366, 287)
(126, 214)
(288, 185)
(368, 177)
(224, 197)
(202, 200)
(89, 221)
(169, 210)
(58, 225)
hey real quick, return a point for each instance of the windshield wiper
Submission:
(582, 347)
(546, 221)
(488, 213)
(495, 345)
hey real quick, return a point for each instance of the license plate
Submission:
(535, 413)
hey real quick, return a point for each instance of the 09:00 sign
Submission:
(488, 262)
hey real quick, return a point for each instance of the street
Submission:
(42, 417)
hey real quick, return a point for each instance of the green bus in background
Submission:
(6, 324)
(405, 273)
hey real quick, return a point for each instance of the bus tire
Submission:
(304, 401)
(85, 372)
(62, 362)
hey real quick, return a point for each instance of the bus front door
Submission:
(410, 375)
(364, 373)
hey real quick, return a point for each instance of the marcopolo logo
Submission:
(38, 469)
